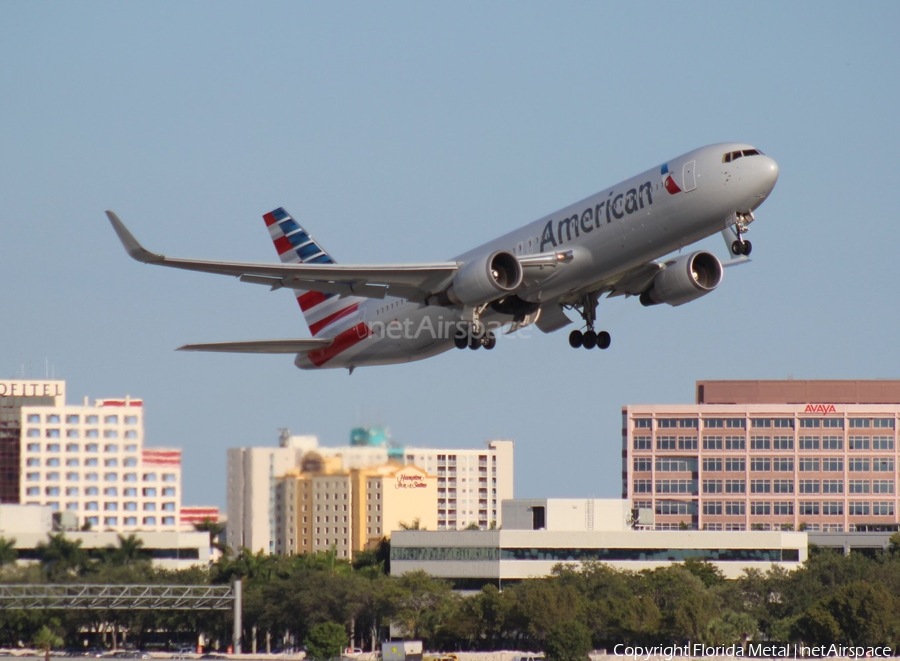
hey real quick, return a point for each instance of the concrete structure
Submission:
(768, 455)
(30, 526)
(471, 483)
(324, 506)
(471, 559)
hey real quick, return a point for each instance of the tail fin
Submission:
(295, 246)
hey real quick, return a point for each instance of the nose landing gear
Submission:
(588, 338)
(740, 246)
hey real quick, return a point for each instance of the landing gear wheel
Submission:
(737, 247)
(603, 340)
(460, 340)
(589, 341)
(747, 248)
(576, 339)
(489, 341)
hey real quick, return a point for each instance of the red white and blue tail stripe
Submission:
(323, 312)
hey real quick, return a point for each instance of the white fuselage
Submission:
(632, 223)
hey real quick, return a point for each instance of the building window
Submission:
(170, 521)
(809, 486)
(735, 508)
(858, 443)
(833, 465)
(782, 442)
(91, 447)
(760, 465)
(640, 486)
(712, 465)
(149, 520)
(735, 486)
(860, 423)
(882, 486)
(665, 443)
(761, 508)
(712, 442)
(687, 442)
(111, 506)
(882, 442)
(883, 465)
(130, 477)
(149, 477)
(808, 465)
(735, 464)
(809, 442)
(712, 486)
(735, 443)
(859, 465)
(643, 423)
(833, 508)
(92, 433)
(783, 486)
(712, 507)
(149, 507)
(760, 486)
(642, 443)
(149, 492)
(859, 486)
(832, 442)
(52, 447)
(130, 520)
(808, 508)
(72, 433)
(111, 420)
(832, 486)
(130, 506)
(91, 506)
(642, 465)
(130, 419)
(111, 463)
(760, 442)
(170, 491)
(883, 508)
(170, 477)
(783, 508)
(713, 423)
(110, 433)
(34, 417)
(859, 508)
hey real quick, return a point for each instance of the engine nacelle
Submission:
(684, 279)
(485, 279)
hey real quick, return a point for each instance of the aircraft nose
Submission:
(770, 174)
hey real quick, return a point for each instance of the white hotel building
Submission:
(90, 460)
(471, 482)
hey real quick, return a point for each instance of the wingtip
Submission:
(132, 245)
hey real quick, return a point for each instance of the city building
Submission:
(767, 455)
(30, 525)
(539, 534)
(14, 394)
(471, 482)
(323, 506)
(88, 461)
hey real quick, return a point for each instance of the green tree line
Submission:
(294, 600)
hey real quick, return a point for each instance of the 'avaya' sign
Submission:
(824, 409)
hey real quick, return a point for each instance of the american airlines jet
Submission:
(614, 243)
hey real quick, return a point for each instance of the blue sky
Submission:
(412, 132)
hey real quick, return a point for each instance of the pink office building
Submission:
(767, 455)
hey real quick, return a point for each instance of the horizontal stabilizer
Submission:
(261, 346)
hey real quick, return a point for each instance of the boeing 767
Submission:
(614, 243)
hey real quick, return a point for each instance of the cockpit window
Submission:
(735, 155)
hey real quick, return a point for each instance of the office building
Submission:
(767, 455)
(539, 534)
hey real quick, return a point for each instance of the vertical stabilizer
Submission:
(323, 312)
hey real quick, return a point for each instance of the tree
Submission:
(62, 558)
(129, 552)
(45, 640)
(215, 530)
(325, 641)
(568, 641)
(8, 553)
(415, 525)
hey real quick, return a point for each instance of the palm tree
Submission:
(131, 551)
(61, 558)
(8, 553)
(215, 530)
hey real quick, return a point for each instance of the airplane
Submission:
(613, 243)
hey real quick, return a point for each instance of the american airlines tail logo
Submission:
(668, 182)
(824, 409)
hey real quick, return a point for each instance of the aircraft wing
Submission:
(260, 346)
(415, 282)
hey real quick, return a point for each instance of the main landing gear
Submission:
(741, 246)
(474, 335)
(588, 338)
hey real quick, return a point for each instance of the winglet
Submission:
(132, 247)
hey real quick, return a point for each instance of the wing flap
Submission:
(260, 346)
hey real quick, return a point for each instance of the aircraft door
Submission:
(688, 178)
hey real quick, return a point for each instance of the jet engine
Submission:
(684, 279)
(485, 279)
